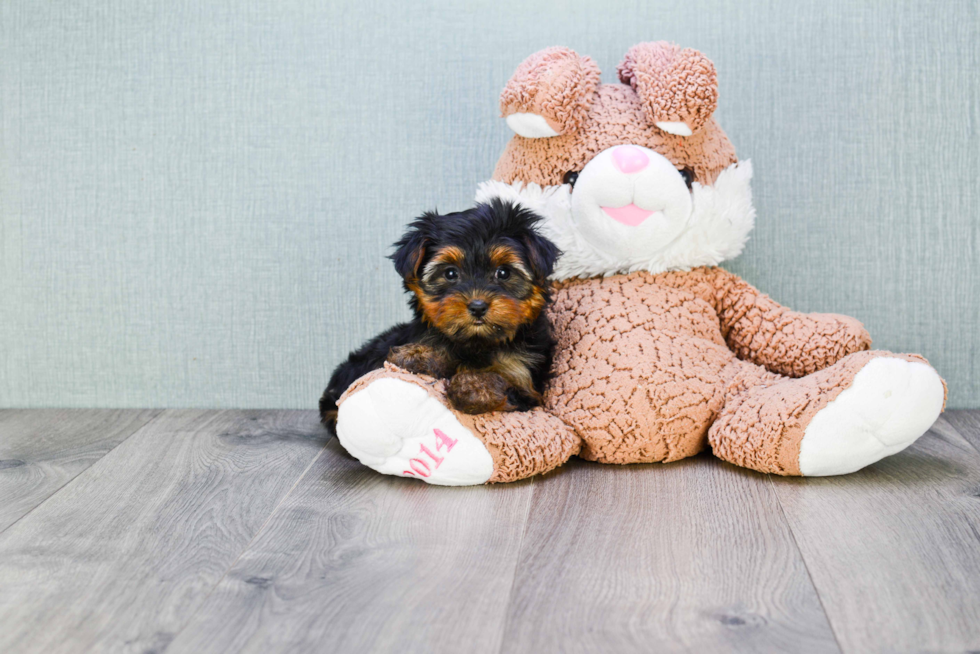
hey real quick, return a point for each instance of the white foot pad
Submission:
(396, 428)
(888, 406)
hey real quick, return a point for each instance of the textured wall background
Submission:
(196, 196)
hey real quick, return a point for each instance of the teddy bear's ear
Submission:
(678, 88)
(550, 93)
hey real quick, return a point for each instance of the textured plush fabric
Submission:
(674, 84)
(758, 329)
(523, 444)
(617, 116)
(556, 84)
(765, 415)
(643, 367)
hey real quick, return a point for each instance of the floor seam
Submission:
(974, 447)
(809, 575)
(517, 563)
(82, 472)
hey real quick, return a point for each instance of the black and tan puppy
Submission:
(479, 285)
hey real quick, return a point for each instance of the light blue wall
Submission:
(196, 197)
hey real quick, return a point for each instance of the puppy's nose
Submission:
(478, 308)
(630, 159)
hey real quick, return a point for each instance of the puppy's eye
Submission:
(451, 274)
(688, 176)
(570, 178)
(502, 274)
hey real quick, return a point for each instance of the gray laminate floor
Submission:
(227, 531)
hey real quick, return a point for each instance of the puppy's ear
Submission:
(542, 255)
(410, 249)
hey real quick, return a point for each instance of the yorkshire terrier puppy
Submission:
(479, 285)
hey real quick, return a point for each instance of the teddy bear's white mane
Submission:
(719, 225)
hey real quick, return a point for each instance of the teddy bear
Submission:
(660, 353)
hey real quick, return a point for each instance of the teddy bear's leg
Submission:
(401, 424)
(867, 406)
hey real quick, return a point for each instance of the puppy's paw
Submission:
(419, 359)
(478, 392)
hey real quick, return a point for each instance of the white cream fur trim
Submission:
(719, 225)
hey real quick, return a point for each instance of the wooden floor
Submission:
(227, 531)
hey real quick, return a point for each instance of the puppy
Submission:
(479, 285)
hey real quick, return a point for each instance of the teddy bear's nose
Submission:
(630, 159)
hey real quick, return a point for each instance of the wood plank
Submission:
(894, 550)
(689, 556)
(354, 561)
(966, 424)
(41, 450)
(123, 555)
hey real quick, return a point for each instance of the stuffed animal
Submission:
(660, 353)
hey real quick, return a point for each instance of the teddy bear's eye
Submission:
(688, 176)
(570, 178)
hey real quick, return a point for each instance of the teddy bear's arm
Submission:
(760, 330)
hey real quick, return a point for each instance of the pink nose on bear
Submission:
(630, 159)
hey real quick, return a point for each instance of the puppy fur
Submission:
(479, 285)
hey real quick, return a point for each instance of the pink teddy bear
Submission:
(660, 353)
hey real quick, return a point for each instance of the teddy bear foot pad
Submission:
(397, 428)
(890, 403)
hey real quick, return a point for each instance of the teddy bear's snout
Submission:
(630, 201)
(631, 185)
